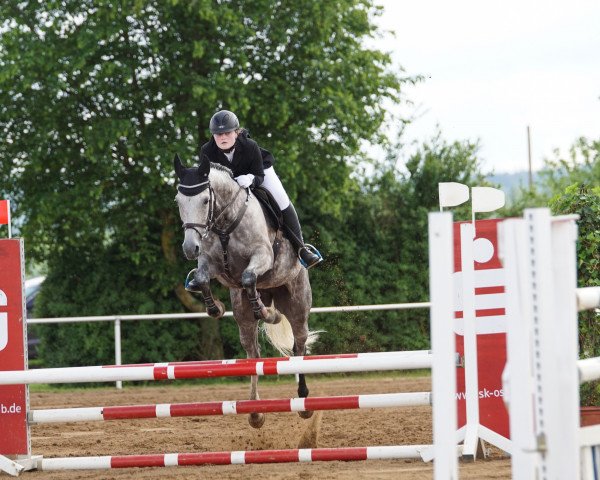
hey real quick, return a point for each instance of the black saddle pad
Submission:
(270, 208)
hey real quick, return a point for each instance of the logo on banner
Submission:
(490, 299)
(491, 325)
(3, 322)
(14, 436)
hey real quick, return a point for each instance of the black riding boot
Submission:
(309, 256)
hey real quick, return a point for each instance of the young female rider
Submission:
(253, 167)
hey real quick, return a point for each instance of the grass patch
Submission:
(35, 363)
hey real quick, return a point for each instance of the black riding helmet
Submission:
(223, 122)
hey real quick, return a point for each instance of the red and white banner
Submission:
(14, 436)
(491, 325)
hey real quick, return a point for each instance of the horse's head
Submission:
(194, 198)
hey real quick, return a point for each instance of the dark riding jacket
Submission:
(248, 157)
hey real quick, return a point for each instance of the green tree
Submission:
(571, 185)
(581, 165)
(584, 201)
(97, 96)
(380, 253)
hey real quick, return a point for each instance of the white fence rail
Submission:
(117, 319)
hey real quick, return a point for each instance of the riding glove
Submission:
(245, 181)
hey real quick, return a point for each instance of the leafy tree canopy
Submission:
(571, 185)
(97, 96)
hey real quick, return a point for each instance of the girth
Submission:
(224, 235)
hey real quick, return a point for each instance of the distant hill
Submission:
(509, 183)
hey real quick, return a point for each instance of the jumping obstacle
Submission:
(543, 373)
(206, 369)
(443, 374)
(166, 410)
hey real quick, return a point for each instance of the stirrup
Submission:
(189, 279)
(311, 249)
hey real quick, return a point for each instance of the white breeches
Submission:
(275, 188)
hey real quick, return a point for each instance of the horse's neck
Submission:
(225, 190)
(228, 200)
(231, 200)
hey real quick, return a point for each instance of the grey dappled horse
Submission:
(226, 231)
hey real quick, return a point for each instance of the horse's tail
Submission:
(281, 336)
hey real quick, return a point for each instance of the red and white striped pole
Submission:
(236, 458)
(361, 362)
(165, 410)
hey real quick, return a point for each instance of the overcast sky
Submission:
(492, 68)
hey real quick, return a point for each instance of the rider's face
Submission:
(225, 140)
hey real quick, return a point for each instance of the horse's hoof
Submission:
(273, 316)
(261, 314)
(256, 420)
(306, 414)
(217, 311)
(303, 391)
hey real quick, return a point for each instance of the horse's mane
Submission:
(222, 168)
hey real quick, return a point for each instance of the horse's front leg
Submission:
(214, 307)
(248, 328)
(260, 262)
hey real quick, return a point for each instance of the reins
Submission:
(211, 224)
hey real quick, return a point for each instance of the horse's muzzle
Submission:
(191, 245)
(191, 254)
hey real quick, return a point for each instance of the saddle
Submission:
(269, 206)
(272, 214)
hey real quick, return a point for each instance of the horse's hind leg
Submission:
(295, 302)
(248, 328)
(302, 387)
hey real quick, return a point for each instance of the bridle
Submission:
(209, 219)
(211, 223)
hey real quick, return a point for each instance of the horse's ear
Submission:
(178, 166)
(204, 167)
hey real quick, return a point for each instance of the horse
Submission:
(226, 231)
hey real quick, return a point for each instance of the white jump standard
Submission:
(543, 373)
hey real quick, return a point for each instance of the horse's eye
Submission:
(205, 201)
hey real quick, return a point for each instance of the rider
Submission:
(252, 167)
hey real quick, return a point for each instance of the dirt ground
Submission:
(341, 428)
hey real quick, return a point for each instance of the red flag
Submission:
(4, 212)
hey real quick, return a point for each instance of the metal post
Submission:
(471, 440)
(529, 158)
(119, 383)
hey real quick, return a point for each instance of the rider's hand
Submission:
(245, 181)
